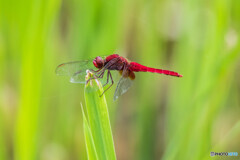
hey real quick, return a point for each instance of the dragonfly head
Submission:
(98, 62)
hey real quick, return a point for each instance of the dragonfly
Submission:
(102, 65)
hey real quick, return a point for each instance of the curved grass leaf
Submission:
(98, 120)
(91, 150)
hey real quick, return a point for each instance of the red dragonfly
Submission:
(101, 65)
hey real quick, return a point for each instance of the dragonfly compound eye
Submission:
(98, 62)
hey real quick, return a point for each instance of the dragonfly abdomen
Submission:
(136, 67)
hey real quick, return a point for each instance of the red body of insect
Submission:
(77, 71)
(122, 63)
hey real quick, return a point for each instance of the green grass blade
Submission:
(99, 120)
(91, 149)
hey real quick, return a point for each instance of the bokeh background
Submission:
(160, 117)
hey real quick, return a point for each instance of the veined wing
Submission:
(123, 85)
(76, 70)
(79, 76)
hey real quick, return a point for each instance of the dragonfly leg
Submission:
(101, 75)
(100, 72)
(108, 74)
(110, 85)
(94, 71)
(96, 77)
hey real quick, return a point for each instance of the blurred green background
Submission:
(160, 117)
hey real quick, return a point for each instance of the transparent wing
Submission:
(79, 76)
(76, 70)
(123, 85)
(71, 68)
